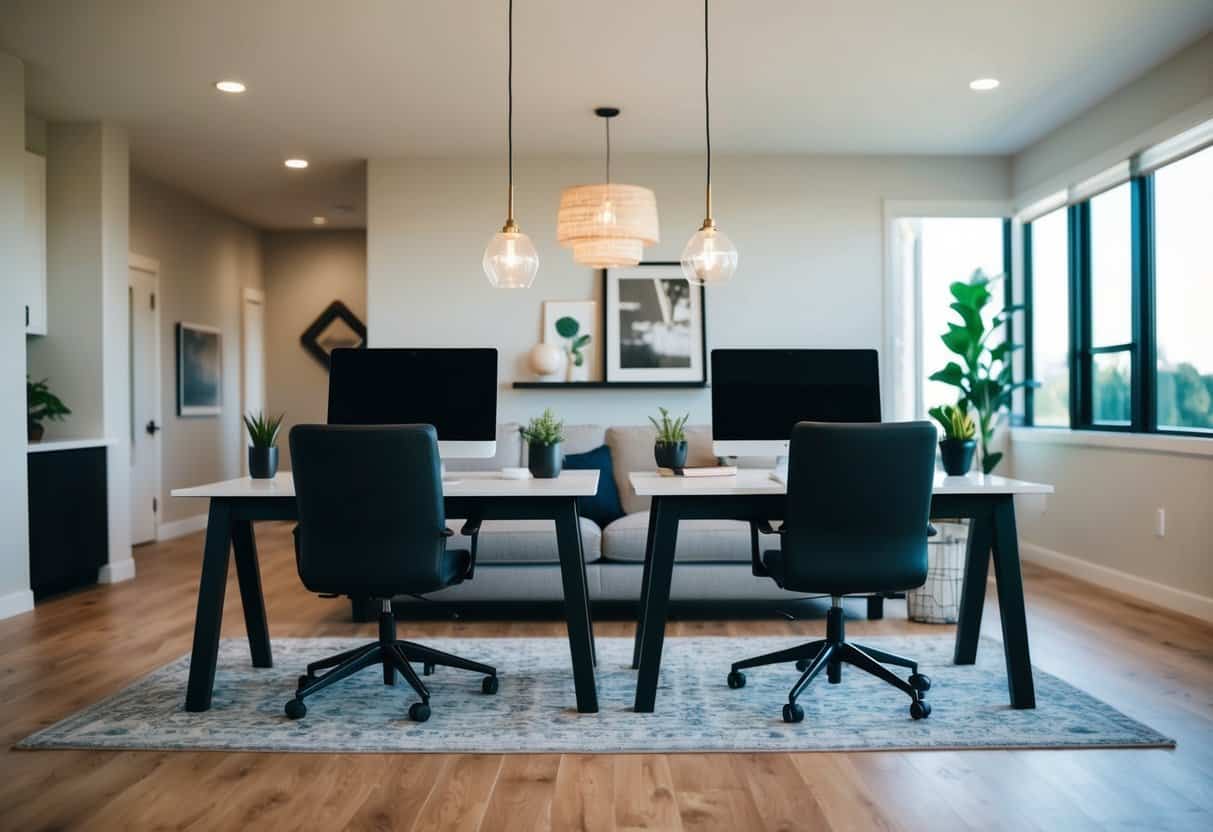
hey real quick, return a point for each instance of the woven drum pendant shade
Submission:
(607, 225)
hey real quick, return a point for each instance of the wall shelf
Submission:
(603, 385)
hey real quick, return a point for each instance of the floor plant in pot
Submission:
(263, 447)
(983, 377)
(959, 443)
(543, 436)
(41, 406)
(670, 448)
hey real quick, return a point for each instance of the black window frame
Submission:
(1142, 349)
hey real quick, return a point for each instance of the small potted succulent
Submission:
(959, 442)
(670, 449)
(543, 437)
(41, 406)
(263, 448)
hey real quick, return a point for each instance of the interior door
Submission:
(252, 329)
(145, 404)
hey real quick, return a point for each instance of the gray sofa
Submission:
(517, 561)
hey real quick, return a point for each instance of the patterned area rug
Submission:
(533, 712)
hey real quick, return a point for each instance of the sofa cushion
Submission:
(509, 453)
(524, 541)
(716, 541)
(632, 450)
(604, 506)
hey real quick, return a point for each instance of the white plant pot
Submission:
(575, 373)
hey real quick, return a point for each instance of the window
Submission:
(1048, 253)
(1119, 288)
(1183, 292)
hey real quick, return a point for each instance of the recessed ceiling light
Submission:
(984, 84)
(230, 86)
(297, 164)
(319, 221)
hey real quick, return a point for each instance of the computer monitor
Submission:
(455, 390)
(759, 395)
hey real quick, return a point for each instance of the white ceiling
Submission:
(341, 82)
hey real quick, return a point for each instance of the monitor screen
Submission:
(455, 390)
(761, 394)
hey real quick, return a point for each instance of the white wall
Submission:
(206, 259)
(809, 229)
(305, 271)
(1100, 523)
(15, 595)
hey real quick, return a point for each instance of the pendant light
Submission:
(510, 260)
(710, 256)
(607, 225)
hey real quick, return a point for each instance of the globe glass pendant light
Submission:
(607, 225)
(709, 256)
(510, 260)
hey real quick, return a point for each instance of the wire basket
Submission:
(938, 600)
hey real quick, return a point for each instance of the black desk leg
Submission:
(244, 546)
(644, 588)
(576, 605)
(1011, 605)
(973, 590)
(209, 616)
(657, 604)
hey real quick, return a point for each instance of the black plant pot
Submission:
(957, 455)
(544, 461)
(670, 454)
(262, 462)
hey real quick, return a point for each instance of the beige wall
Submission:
(206, 259)
(305, 271)
(809, 229)
(1100, 523)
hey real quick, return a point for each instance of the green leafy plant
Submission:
(670, 431)
(41, 404)
(983, 376)
(955, 421)
(263, 431)
(544, 430)
(567, 328)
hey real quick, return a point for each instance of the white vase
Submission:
(575, 373)
(547, 360)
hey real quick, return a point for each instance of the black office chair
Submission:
(372, 525)
(859, 498)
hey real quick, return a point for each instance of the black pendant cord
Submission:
(707, 101)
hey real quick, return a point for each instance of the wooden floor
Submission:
(74, 650)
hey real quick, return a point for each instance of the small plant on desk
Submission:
(670, 449)
(543, 437)
(41, 406)
(959, 442)
(263, 448)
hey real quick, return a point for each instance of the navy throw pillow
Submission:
(604, 506)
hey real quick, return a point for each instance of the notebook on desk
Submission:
(704, 471)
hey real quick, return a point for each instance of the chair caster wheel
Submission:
(920, 709)
(802, 665)
(419, 712)
(736, 679)
(304, 681)
(427, 669)
(793, 713)
(489, 685)
(295, 709)
(920, 683)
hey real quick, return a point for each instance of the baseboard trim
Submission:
(1169, 597)
(113, 573)
(15, 603)
(180, 528)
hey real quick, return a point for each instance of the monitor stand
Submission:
(780, 473)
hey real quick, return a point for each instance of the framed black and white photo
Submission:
(653, 325)
(199, 370)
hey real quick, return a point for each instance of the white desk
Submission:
(751, 495)
(236, 504)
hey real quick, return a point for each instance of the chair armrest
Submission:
(471, 528)
(757, 567)
(446, 533)
(765, 527)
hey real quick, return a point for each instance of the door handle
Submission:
(152, 427)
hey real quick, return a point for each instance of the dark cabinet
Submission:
(68, 526)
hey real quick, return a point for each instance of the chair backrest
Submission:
(371, 517)
(859, 501)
